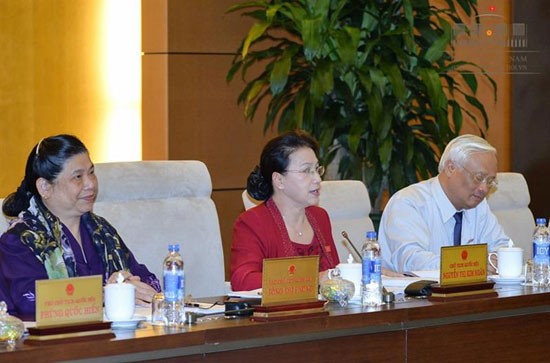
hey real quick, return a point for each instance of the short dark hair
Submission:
(275, 158)
(46, 160)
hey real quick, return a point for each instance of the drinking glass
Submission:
(528, 272)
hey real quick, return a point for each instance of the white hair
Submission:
(461, 148)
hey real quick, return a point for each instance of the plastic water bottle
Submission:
(174, 287)
(371, 280)
(541, 255)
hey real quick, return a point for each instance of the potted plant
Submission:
(374, 81)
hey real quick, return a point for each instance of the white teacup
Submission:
(510, 261)
(352, 272)
(119, 301)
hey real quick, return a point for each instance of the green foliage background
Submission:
(375, 79)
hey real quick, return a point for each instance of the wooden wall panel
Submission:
(485, 48)
(229, 205)
(191, 26)
(154, 107)
(16, 92)
(202, 26)
(531, 94)
(154, 26)
(205, 122)
(50, 79)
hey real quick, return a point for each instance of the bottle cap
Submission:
(371, 234)
(174, 248)
(541, 221)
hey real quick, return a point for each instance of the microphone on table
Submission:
(350, 244)
(191, 316)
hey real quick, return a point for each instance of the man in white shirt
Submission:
(449, 209)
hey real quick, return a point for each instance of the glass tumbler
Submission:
(156, 309)
(528, 273)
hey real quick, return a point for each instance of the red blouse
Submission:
(261, 233)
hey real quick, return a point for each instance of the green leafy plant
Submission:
(374, 81)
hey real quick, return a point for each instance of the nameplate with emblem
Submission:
(69, 301)
(463, 264)
(289, 280)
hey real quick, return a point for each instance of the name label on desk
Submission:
(68, 301)
(292, 279)
(463, 264)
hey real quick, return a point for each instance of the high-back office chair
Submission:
(347, 203)
(156, 203)
(3, 220)
(510, 204)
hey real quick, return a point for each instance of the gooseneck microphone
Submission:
(350, 244)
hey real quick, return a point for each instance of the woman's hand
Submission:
(144, 292)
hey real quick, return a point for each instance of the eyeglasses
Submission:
(480, 178)
(319, 169)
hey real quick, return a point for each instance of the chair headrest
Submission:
(512, 192)
(119, 181)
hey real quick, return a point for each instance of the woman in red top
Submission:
(289, 222)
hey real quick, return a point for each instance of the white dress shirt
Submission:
(418, 221)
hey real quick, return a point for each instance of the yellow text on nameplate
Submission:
(463, 264)
(289, 280)
(69, 301)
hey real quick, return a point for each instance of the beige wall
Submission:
(47, 77)
(52, 79)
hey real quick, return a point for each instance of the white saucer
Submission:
(132, 323)
(506, 280)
